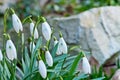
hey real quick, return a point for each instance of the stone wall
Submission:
(95, 30)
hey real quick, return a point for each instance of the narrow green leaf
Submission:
(38, 44)
(27, 58)
(59, 58)
(75, 63)
(7, 71)
(54, 50)
(23, 66)
(21, 74)
(34, 54)
(74, 47)
(101, 78)
(81, 76)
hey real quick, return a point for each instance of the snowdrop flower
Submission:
(32, 46)
(17, 25)
(58, 52)
(86, 66)
(62, 46)
(1, 56)
(35, 31)
(42, 69)
(46, 30)
(11, 50)
(49, 58)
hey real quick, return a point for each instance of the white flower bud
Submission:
(32, 46)
(58, 52)
(35, 32)
(17, 25)
(62, 46)
(11, 50)
(1, 56)
(42, 69)
(86, 66)
(49, 58)
(46, 31)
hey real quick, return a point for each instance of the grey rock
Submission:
(116, 76)
(95, 30)
(5, 4)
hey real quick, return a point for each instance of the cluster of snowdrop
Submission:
(46, 32)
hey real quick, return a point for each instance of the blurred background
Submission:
(58, 7)
(51, 8)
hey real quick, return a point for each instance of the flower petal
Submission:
(16, 23)
(42, 69)
(62, 46)
(46, 31)
(1, 56)
(32, 46)
(35, 32)
(49, 58)
(86, 66)
(11, 50)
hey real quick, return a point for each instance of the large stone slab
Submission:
(96, 30)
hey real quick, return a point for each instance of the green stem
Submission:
(23, 44)
(19, 38)
(5, 20)
(4, 40)
(48, 44)
(32, 57)
(18, 41)
(14, 69)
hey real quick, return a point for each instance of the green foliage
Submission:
(25, 8)
(61, 7)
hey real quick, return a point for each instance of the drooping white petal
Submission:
(46, 31)
(35, 32)
(32, 46)
(49, 58)
(42, 69)
(1, 56)
(86, 66)
(17, 25)
(58, 52)
(20, 24)
(11, 50)
(62, 46)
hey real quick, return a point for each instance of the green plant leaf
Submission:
(54, 50)
(23, 66)
(101, 78)
(81, 76)
(59, 58)
(27, 58)
(34, 54)
(38, 44)
(75, 63)
(20, 73)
